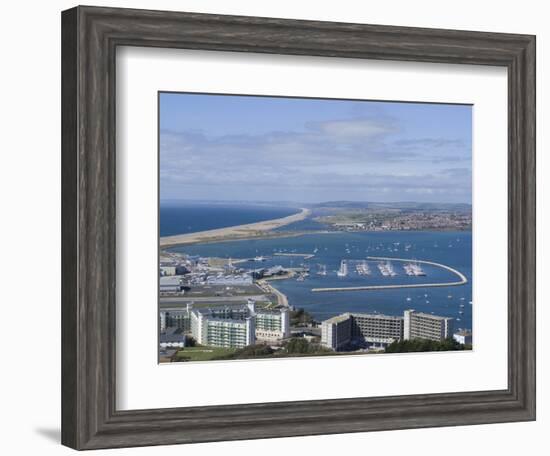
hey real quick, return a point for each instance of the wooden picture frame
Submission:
(90, 36)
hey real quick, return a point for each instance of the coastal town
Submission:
(299, 226)
(397, 219)
(214, 308)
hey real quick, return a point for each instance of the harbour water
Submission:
(453, 249)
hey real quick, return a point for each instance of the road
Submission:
(185, 300)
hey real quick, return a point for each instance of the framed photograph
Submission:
(280, 228)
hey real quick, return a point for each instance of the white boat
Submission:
(343, 271)
(386, 269)
(362, 268)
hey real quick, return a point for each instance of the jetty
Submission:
(462, 278)
(305, 256)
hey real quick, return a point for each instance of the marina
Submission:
(385, 294)
(386, 269)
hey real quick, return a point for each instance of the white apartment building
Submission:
(239, 326)
(272, 325)
(208, 329)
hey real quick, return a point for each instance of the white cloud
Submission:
(335, 160)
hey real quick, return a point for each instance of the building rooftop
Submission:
(433, 317)
(171, 338)
(338, 318)
(170, 280)
(377, 315)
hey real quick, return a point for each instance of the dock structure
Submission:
(463, 280)
(305, 256)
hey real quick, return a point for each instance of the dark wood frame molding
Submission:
(90, 36)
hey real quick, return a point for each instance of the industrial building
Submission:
(419, 325)
(230, 279)
(171, 269)
(170, 284)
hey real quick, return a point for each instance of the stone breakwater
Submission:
(463, 280)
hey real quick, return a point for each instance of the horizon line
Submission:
(311, 202)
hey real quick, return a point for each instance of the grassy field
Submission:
(202, 353)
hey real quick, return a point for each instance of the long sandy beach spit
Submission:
(249, 231)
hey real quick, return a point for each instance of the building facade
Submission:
(336, 331)
(170, 284)
(377, 330)
(238, 326)
(210, 328)
(463, 337)
(419, 325)
(272, 325)
(175, 319)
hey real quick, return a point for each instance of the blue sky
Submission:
(225, 147)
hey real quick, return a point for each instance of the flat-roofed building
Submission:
(230, 327)
(336, 331)
(175, 340)
(419, 325)
(463, 337)
(229, 333)
(230, 279)
(167, 269)
(170, 284)
(272, 325)
(179, 319)
(376, 329)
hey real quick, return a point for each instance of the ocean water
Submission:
(189, 218)
(453, 249)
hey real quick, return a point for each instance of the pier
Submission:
(463, 280)
(305, 256)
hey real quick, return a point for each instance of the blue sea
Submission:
(182, 218)
(450, 248)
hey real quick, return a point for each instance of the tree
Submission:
(425, 345)
(300, 317)
(250, 351)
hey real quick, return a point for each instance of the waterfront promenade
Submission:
(462, 278)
